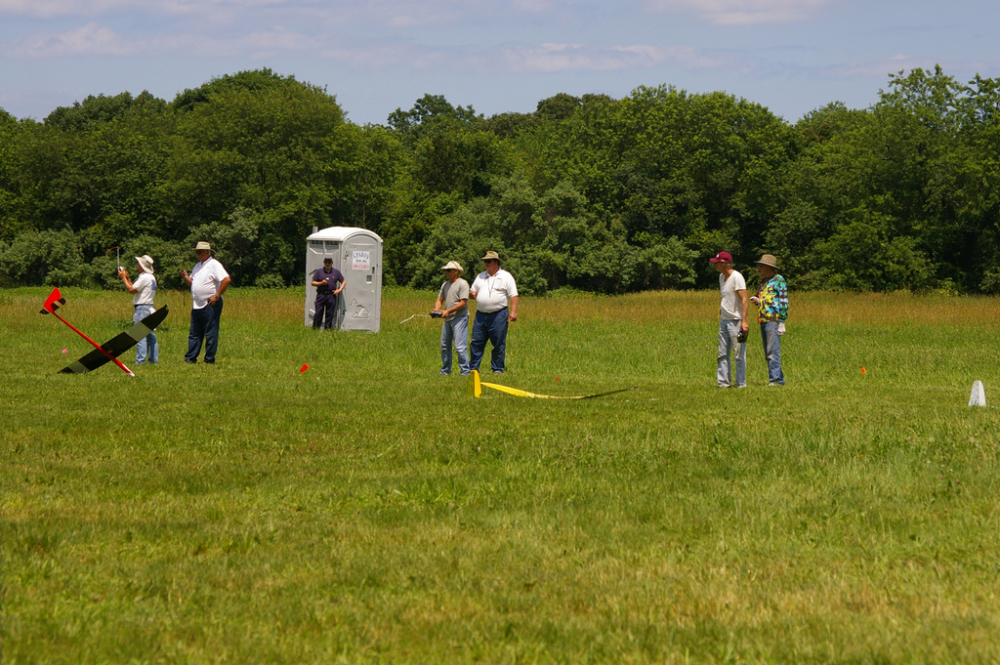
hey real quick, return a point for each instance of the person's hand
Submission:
(744, 326)
(755, 300)
(781, 328)
(184, 274)
(213, 300)
(472, 294)
(326, 281)
(512, 316)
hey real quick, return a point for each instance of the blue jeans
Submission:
(457, 331)
(492, 326)
(147, 345)
(204, 326)
(772, 352)
(728, 330)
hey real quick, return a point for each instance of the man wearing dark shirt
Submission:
(326, 280)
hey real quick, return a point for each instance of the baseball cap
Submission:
(722, 257)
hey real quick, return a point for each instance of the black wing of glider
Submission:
(119, 344)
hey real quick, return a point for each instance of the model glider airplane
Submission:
(476, 386)
(109, 350)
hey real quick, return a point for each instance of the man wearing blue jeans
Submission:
(454, 297)
(208, 281)
(493, 289)
(733, 325)
(772, 299)
(144, 289)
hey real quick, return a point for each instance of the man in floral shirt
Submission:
(772, 299)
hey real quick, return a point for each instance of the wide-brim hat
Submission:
(722, 257)
(453, 265)
(146, 263)
(203, 246)
(768, 260)
(492, 255)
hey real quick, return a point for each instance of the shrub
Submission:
(36, 258)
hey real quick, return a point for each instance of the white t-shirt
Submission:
(145, 289)
(492, 292)
(732, 306)
(205, 280)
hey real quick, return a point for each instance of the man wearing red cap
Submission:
(733, 326)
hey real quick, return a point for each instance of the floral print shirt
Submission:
(773, 304)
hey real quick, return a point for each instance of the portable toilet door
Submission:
(362, 297)
(357, 253)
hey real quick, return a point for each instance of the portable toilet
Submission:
(357, 253)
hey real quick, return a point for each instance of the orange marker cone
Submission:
(864, 371)
(303, 368)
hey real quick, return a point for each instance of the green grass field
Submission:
(368, 510)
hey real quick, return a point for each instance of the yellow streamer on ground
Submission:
(476, 390)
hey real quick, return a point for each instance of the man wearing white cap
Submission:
(454, 297)
(144, 289)
(208, 281)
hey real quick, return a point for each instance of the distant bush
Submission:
(36, 258)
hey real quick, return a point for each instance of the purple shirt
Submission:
(333, 275)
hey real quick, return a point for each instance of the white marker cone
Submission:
(978, 396)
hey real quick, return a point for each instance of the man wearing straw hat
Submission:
(493, 289)
(772, 301)
(144, 289)
(208, 281)
(454, 297)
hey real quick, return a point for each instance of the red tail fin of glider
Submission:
(53, 302)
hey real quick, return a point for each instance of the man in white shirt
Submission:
(493, 289)
(144, 289)
(733, 326)
(208, 281)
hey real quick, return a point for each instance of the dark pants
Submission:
(492, 326)
(204, 326)
(326, 301)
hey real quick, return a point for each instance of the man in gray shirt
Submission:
(454, 297)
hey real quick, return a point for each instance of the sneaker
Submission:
(774, 384)
(498, 371)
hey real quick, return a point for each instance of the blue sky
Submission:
(791, 56)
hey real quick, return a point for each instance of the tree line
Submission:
(588, 193)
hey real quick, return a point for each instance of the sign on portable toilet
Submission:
(357, 253)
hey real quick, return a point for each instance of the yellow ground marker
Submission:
(476, 390)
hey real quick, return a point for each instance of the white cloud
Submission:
(544, 58)
(743, 12)
(882, 68)
(56, 8)
(96, 40)
(581, 57)
(90, 39)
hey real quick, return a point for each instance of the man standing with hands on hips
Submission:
(733, 326)
(492, 289)
(208, 281)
